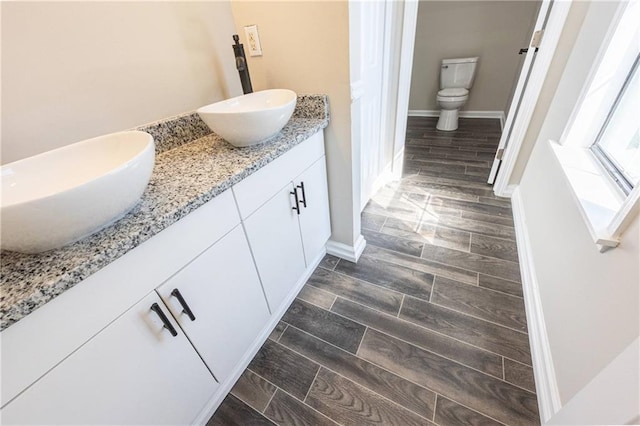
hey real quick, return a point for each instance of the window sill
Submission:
(603, 205)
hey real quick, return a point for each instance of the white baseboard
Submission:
(226, 386)
(385, 177)
(423, 113)
(346, 252)
(462, 114)
(382, 180)
(507, 192)
(398, 165)
(549, 402)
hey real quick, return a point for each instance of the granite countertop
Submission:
(192, 166)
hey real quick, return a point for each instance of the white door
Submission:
(274, 237)
(519, 92)
(132, 372)
(314, 215)
(367, 72)
(218, 301)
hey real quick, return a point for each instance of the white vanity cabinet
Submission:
(132, 372)
(218, 302)
(161, 334)
(286, 238)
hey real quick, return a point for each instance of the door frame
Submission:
(371, 41)
(553, 29)
(521, 85)
(397, 62)
(406, 25)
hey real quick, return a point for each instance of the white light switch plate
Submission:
(253, 40)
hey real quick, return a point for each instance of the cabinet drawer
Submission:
(38, 342)
(258, 188)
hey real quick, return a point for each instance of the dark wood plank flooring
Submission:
(428, 328)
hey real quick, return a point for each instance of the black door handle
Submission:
(297, 206)
(155, 308)
(304, 197)
(185, 308)
(525, 50)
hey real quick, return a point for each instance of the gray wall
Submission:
(492, 30)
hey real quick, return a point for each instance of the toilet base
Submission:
(448, 120)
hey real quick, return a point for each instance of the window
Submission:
(617, 146)
(599, 150)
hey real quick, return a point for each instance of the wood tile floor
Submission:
(428, 328)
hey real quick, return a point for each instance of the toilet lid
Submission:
(457, 91)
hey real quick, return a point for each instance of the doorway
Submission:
(551, 17)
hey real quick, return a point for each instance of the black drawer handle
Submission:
(304, 197)
(155, 308)
(185, 308)
(297, 206)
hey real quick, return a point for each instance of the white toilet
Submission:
(456, 78)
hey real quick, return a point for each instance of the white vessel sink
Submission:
(250, 119)
(61, 196)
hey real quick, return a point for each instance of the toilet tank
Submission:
(459, 72)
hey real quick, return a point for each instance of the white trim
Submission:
(406, 22)
(226, 386)
(552, 32)
(549, 402)
(627, 212)
(423, 113)
(509, 190)
(347, 252)
(463, 114)
(591, 110)
(357, 90)
(607, 219)
(398, 166)
(521, 85)
(384, 178)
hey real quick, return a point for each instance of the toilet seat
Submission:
(453, 92)
(452, 98)
(453, 95)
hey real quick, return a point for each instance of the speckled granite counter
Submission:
(192, 166)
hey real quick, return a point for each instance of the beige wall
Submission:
(492, 30)
(590, 300)
(305, 48)
(74, 70)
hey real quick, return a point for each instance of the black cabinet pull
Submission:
(155, 308)
(185, 308)
(304, 197)
(297, 206)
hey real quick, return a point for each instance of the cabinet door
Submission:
(274, 237)
(314, 218)
(222, 291)
(132, 372)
